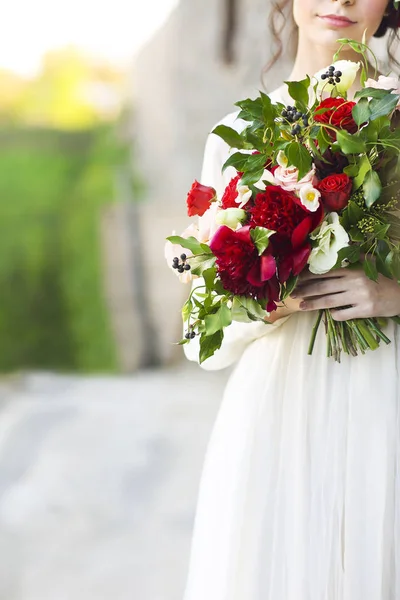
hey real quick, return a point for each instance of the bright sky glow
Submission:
(112, 29)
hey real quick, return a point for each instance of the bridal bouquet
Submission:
(316, 187)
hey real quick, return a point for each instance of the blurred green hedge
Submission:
(52, 309)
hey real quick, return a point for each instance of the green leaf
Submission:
(209, 344)
(351, 253)
(356, 235)
(254, 311)
(393, 263)
(251, 177)
(354, 213)
(253, 107)
(236, 160)
(260, 237)
(361, 111)
(289, 286)
(199, 264)
(350, 144)
(383, 106)
(370, 92)
(187, 310)
(239, 313)
(209, 277)
(190, 243)
(323, 139)
(230, 136)
(381, 255)
(363, 167)
(372, 188)
(388, 137)
(268, 110)
(255, 162)
(222, 318)
(370, 269)
(298, 156)
(298, 90)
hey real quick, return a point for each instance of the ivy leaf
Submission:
(209, 277)
(187, 310)
(268, 110)
(363, 167)
(251, 177)
(230, 136)
(253, 309)
(370, 92)
(298, 90)
(350, 253)
(370, 269)
(350, 144)
(239, 313)
(383, 106)
(372, 188)
(236, 160)
(220, 319)
(361, 111)
(260, 237)
(393, 263)
(298, 156)
(201, 263)
(190, 243)
(253, 107)
(323, 139)
(209, 344)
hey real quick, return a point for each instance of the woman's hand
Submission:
(351, 288)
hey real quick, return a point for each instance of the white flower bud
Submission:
(231, 217)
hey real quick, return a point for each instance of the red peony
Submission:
(335, 191)
(199, 199)
(228, 200)
(339, 115)
(279, 210)
(241, 269)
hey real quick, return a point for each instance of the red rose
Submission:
(199, 199)
(230, 194)
(241, 269)
(335, 191)
(339, 115)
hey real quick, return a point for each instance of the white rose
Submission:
(309, 197)
(208, 224)
(331, 237)
(231, 217)
(349, 71)
(288, 178)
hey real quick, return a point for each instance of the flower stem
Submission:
(315, 331)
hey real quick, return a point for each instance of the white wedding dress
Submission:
(300, 493)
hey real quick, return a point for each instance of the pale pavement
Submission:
(98, 480)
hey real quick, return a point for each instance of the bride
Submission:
(300, 493)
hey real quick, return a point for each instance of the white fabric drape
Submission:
(300, 493)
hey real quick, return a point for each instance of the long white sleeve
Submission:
(238, 335)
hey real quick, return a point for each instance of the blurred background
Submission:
(104, 111)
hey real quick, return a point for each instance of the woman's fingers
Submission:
(319, 287)
(327, 301)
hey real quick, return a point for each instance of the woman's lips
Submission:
(336, 21)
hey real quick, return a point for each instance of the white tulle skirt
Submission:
(300, 493)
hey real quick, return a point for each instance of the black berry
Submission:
(180, 269)
(187, 267)
(183, 256)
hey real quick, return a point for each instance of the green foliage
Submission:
(52, 309)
